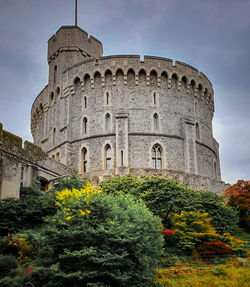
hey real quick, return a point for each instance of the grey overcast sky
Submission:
(211, 35)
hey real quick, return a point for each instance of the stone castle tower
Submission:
(113, 115)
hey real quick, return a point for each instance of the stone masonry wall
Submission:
(130, 93)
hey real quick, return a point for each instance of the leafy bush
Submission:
(7, 264)
(211, 250)
(164, 197)
(193, 227)
(224, 218)
(26, 212)
(19, 247)
(69, 182)
(238, 196)
(116, 243)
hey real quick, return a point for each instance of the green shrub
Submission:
(69, 182)
(193, 228)
(116, 243)
(25, 213)
(164, 197)
(7, 264)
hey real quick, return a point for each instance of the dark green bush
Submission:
(7, 264)
(26, 212)
(119, 243)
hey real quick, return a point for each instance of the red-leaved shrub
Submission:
(168, 232)
(214, 249)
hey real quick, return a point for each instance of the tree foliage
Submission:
(192, 228)
(29, 211)
(25, 213)
(238, 196)
(165, 197)
(116, 243)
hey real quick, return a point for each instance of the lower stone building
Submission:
(21, 164)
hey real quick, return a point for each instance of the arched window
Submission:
(205, 93)
(174, 81)
(55, 75)
(85, 102)
(58, 156)
(197, 128)
(107, 122)
(57, 93)
(156, 157)
(85, 126)
(53, 156)
(54, 137)
(192, 87)
(77, 83)
(156, 122)
(84, 160)
(200, 89)
(51, 97)
(107, 157)
(184, 82)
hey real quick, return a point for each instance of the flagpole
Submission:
(75, 12)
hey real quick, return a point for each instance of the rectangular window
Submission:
(154, 163)
(108, 163)
(85, 166)
(158, 163)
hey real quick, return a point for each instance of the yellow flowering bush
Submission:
(75, 201)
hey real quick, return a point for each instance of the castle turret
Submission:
(69, 46)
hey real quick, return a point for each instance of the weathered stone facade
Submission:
(21, 164)
(104, 116)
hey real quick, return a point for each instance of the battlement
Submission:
(72, 37)
(193, 80)
(149, 63)
(14, 144)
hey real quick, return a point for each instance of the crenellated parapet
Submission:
(179, 75)
(161, 70)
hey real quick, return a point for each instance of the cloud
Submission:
(225, 13)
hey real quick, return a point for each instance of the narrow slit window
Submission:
(85, 126)
(197, 131)
(84, 160)
(85, 102)
(107, 98)
(54, 137)
(122, 158)
(154, 98)
(156, 122)
(55, 75)
(107, 122)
